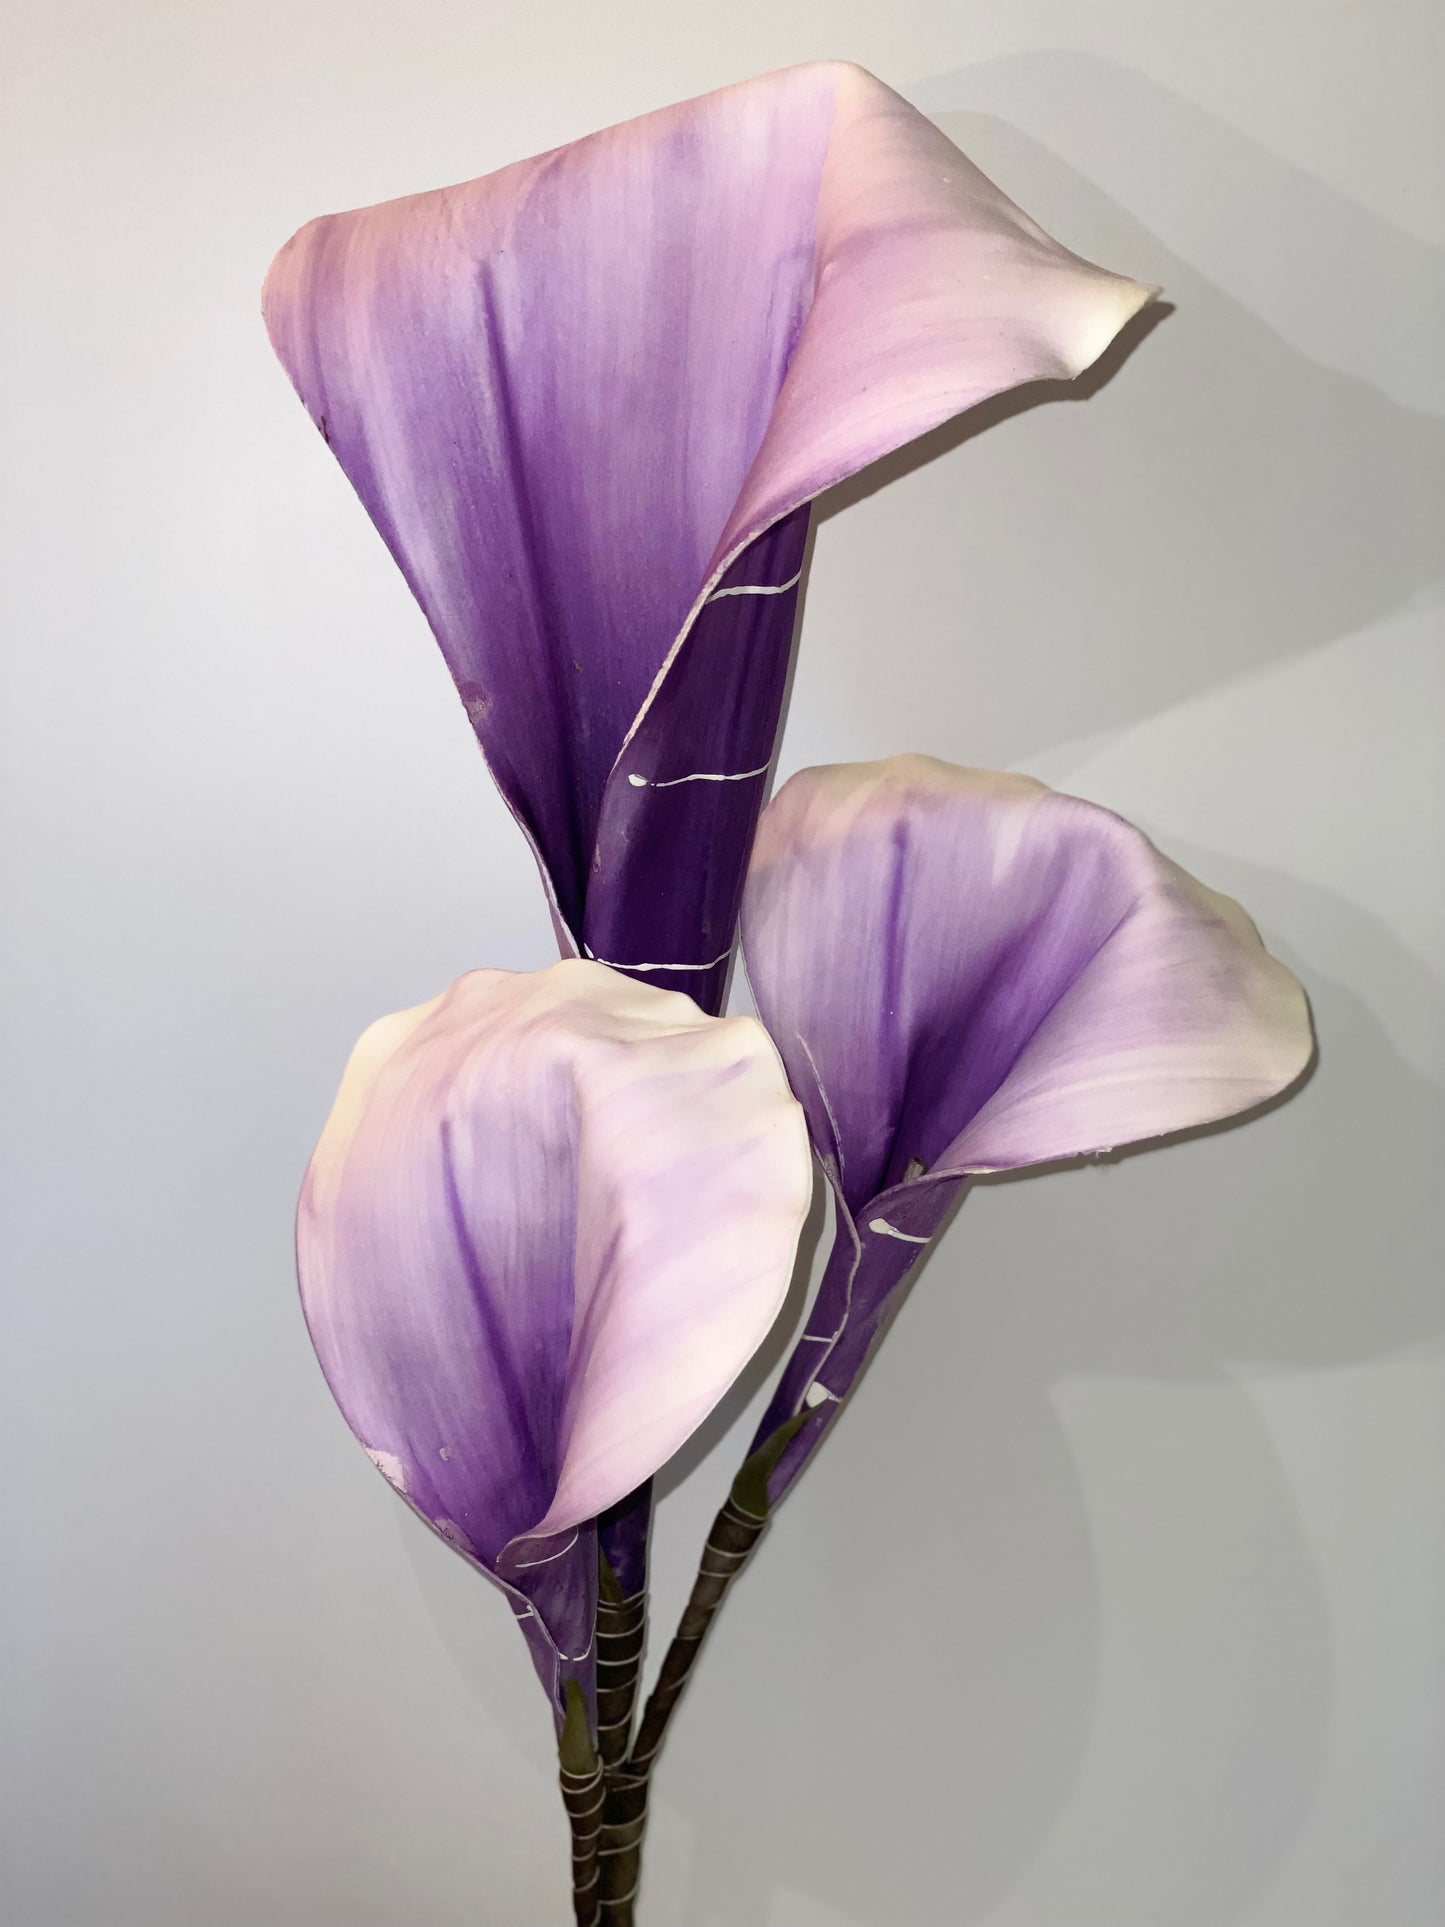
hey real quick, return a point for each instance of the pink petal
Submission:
(549, 1220)
(581, 395)
(968, 972)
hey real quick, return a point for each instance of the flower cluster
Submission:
(588, 402)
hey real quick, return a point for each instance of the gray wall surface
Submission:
(1170, 1431)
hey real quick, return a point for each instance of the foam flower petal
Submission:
(549, 1219)
(967, 972)
(587, 400)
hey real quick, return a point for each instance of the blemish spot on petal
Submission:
(390, 1467)
(454, 1536)
(444, 1451)
(638, 782)
(817, 1394)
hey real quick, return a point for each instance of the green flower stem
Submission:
(735, 1532)
(582, 1795)
(621, 1632)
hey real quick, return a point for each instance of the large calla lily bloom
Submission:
(966, 972)
(549, 1219)
(587, 401)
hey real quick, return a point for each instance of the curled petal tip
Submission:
(587, 400)
(969, 972)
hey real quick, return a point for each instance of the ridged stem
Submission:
(621, 1633)
(735, 1532)
(583, 1796)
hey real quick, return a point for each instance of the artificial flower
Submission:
(551, 1216)
(966, 972)
(587, 401)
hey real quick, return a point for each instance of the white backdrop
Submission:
(1170, 1433)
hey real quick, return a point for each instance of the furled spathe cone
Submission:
(587, 400)
(966, 972)
(550, 1218)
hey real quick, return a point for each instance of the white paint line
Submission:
(523, 1565)
(667, 966)
(827, 1106)
(743, 1512)
(701, 776)
(766, 588)
(891, 1231)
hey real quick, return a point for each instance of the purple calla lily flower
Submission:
(966, 972)
(587, 401)
(548, 1221)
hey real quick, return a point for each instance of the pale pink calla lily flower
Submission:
(550, 1218)
(966, 972)
(588, 400)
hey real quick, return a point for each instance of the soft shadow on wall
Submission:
(1225, 504)
(920, 1649)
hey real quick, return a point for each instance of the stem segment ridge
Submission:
(582, 1795)
(735, 1532)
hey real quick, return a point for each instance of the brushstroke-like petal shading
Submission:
(587, 400)
(549, 1219)
(967, 972)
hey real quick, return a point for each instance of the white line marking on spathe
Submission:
(523, 1565)
(891, 1231)
(765, 588)
(700, 776)
(668, 966)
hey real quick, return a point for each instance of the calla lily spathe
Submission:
(966, 972)
(551, 1216)
(587, 401)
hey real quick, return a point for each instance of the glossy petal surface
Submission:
(586, 400)
(966, 972)
(550, 1218)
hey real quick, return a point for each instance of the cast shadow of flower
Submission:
(972, 1613)
(1228, 504)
